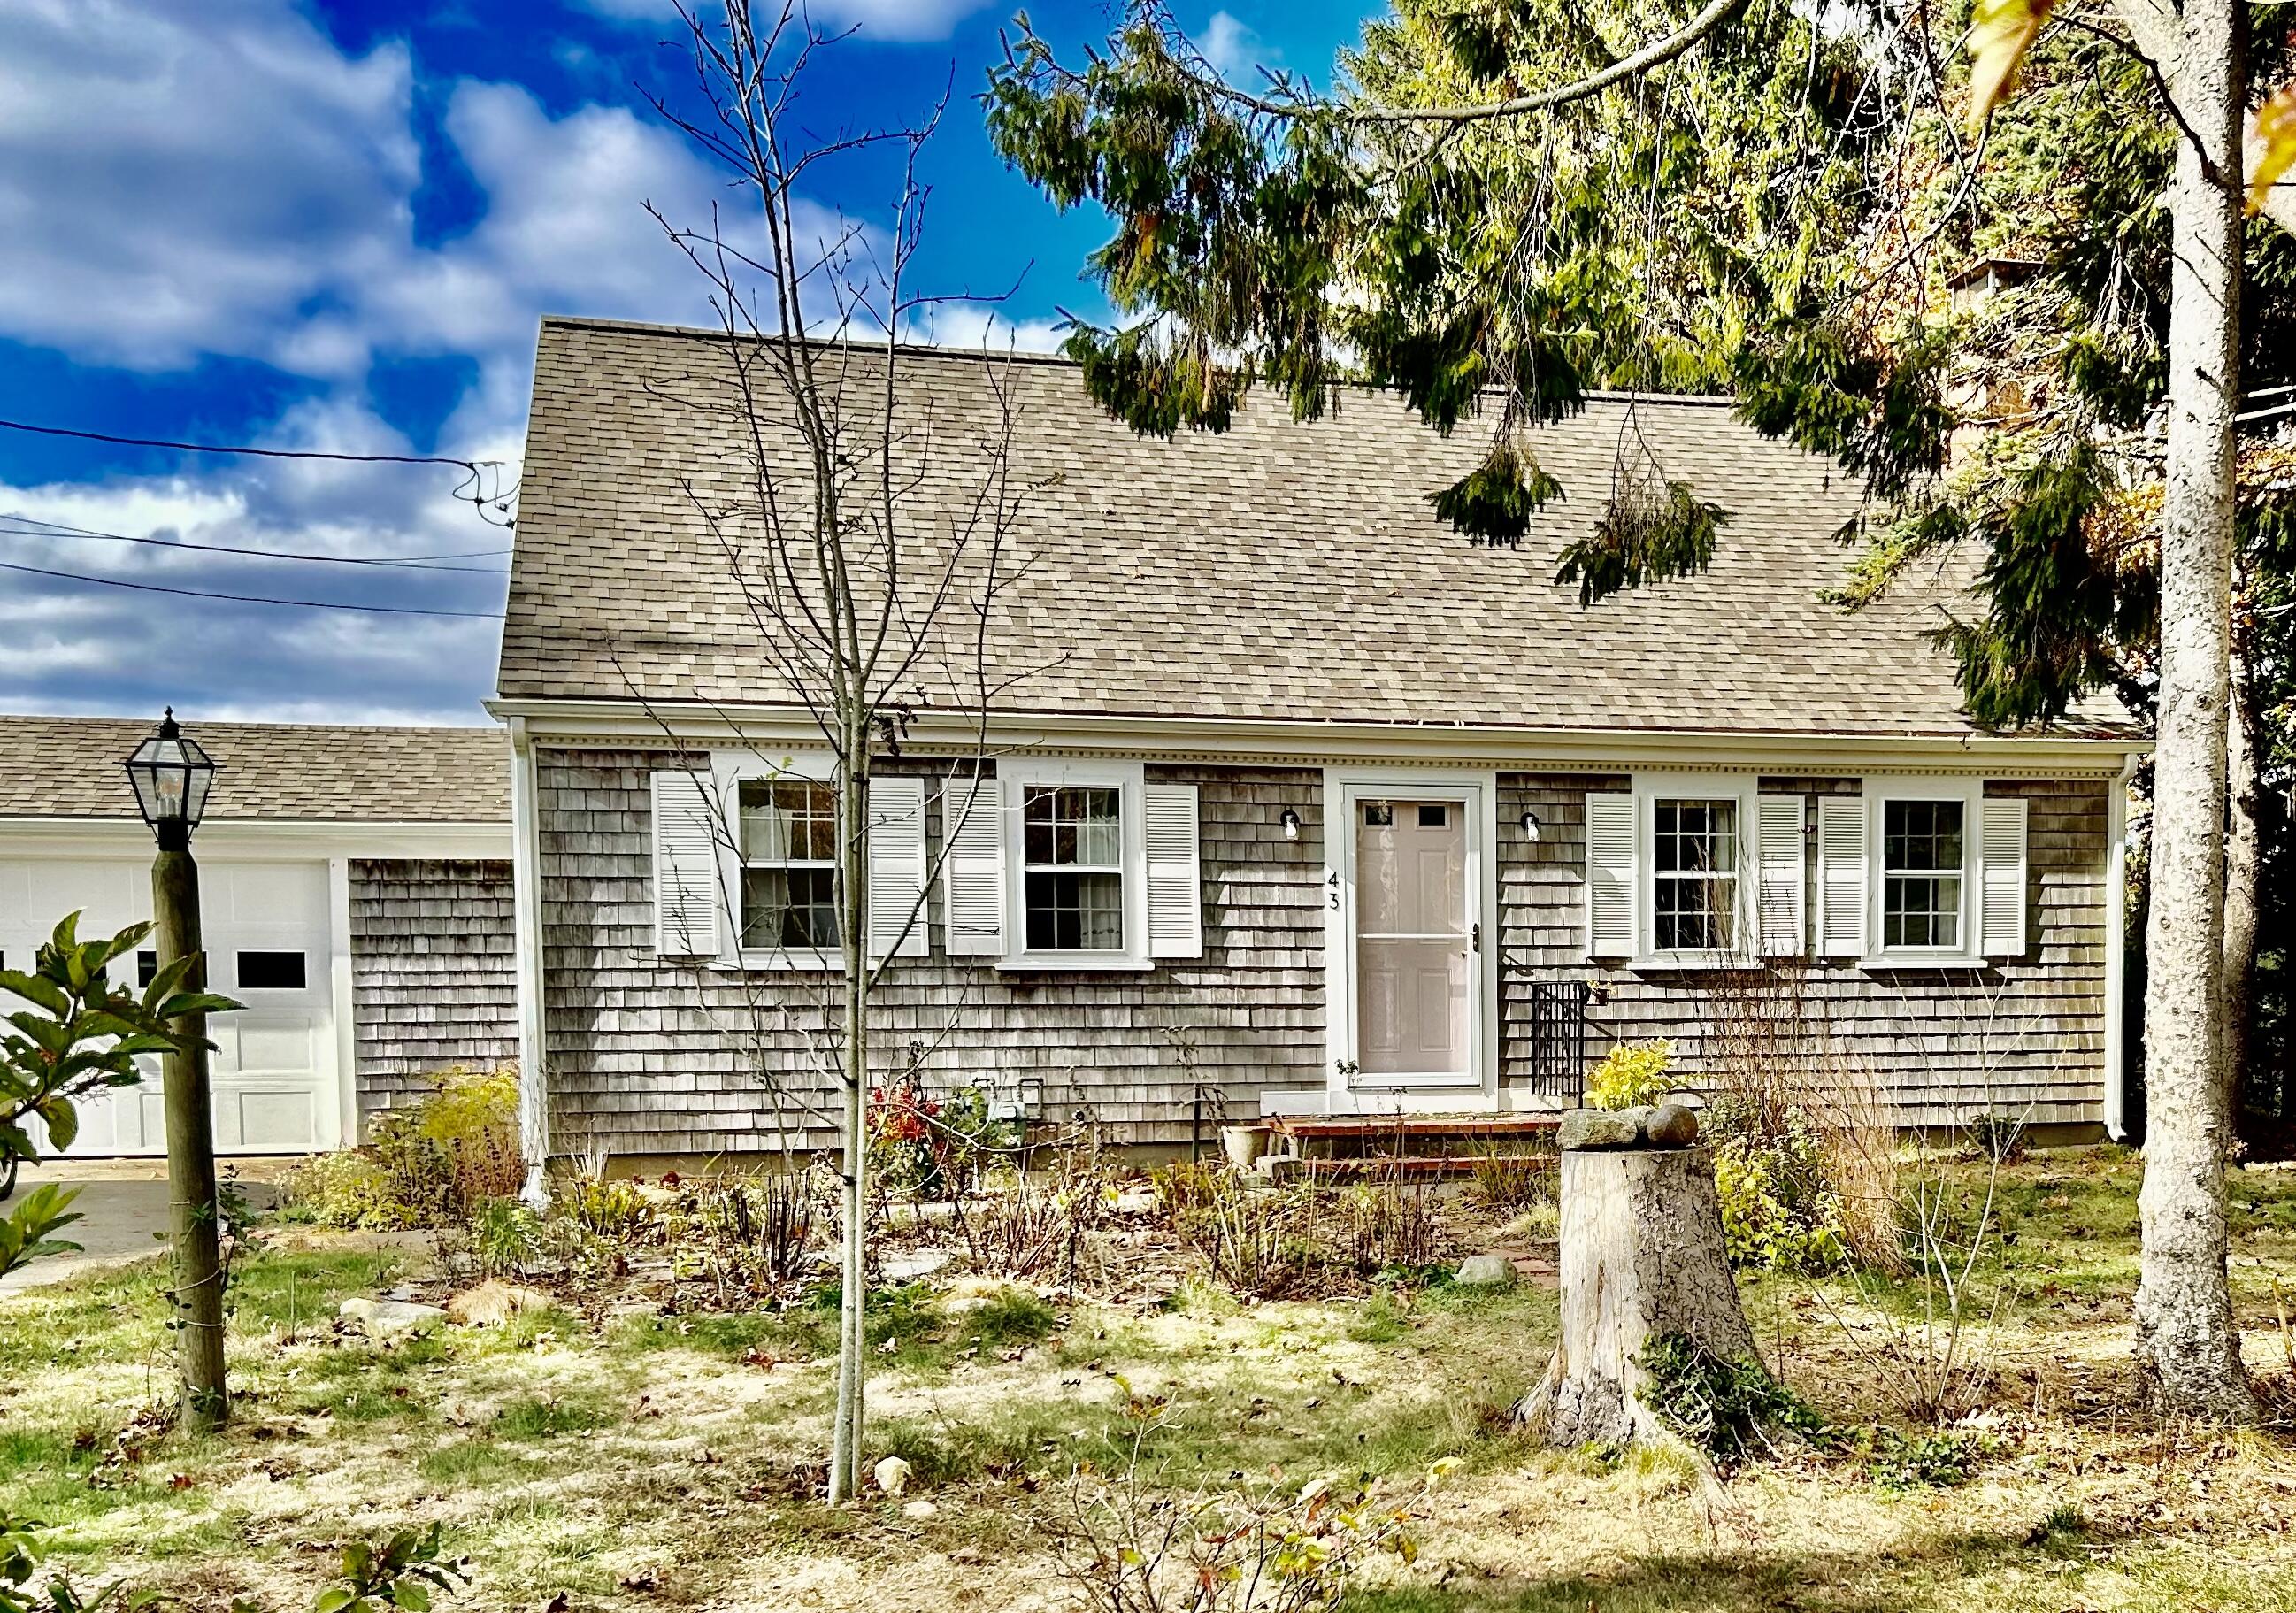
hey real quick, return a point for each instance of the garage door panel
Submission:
(274, 1081)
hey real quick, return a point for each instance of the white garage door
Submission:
(267, 933)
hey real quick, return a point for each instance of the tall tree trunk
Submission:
(853, 940)
(2244, 789)
(2188, 1349)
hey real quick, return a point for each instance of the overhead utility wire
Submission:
(40, 529)
(198, 447)
(245, 598)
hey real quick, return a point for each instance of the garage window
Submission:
(271, 971)
(147, 967)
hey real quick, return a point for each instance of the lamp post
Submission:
(171, 775)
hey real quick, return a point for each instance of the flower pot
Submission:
(1244, 1144)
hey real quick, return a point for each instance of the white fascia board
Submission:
(244, 840)
(1211, 739)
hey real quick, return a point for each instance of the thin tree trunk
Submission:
(2244, 786)
(853, 840)
(2188, 1347)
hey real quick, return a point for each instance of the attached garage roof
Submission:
(69, 767)
(1281, 570)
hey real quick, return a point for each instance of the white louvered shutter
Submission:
(2001, 883)
(973, 870)
(1610, 876)
(1778, 886)
(897, 867)
(1842, 884)
(685, 894)
(1175, 901)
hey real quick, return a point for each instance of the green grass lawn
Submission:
(632, 1459)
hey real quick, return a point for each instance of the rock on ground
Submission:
(389, 1318)
(1485, 1271)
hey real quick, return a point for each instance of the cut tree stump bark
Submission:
(1640, 1255)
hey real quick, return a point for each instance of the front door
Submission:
(1416, 966)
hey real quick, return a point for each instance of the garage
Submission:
(354, 901)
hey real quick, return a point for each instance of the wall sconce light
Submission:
(1290, 824)
(1531, 827)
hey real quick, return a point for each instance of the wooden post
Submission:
(195, 1209)
(1640, 1255)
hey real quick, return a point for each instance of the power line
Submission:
(243, 599)
(472, 465)
(43, 529)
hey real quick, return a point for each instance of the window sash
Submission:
(1925, 865)
(1694, 846)
(1073, 879)
(787, 855)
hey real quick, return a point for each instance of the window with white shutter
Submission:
(1610, 875)
(1778, 890)
(1077, 874)
(972, 867)
(1176, 902)
(1842, 884)
(686, 890)
(2001, 859)
(897, 867)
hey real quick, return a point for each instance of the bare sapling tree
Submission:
(863, 536)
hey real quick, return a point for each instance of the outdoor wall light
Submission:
(1290, 824)
(1531, 827)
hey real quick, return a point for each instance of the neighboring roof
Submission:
(1280, 569)
(69, 767)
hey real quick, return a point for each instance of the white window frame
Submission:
(1130, 780)
(728, 770)
(1649, 789)
(1969, 792)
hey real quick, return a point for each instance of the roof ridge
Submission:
(934, 350)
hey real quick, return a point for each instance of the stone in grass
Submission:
(892, 1475)
(919, 1509)
(1672, 1125)
(1602, 1128)
(389, 1318)
(1485, 1271)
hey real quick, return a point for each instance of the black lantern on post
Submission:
(171, 775)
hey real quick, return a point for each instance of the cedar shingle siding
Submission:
(653, 1055)
(434, 975)
(1944, 1043)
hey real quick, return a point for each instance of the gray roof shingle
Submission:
(1279, 570)
(69, 767)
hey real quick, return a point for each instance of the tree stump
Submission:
(1642, 1255)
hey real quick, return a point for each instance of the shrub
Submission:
(1778, 1211)
(1631, 1074)
(429, 1163)
(506, 1238)
(346, 1190)
(2000, 1138)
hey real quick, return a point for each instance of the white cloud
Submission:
(1234, 49)
(152, 164)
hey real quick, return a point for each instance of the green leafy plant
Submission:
(80, 1036)
(1631, 1074)
(401, 1574)
(1776, 1213)
(430, 1163)
(21, 1555)
(1724, 1407)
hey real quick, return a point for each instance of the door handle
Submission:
(1475, 938)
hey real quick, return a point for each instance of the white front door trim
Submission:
(1344, 788)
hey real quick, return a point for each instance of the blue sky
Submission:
(332, 226)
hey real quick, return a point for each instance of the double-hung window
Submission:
(1924, 854)
(1694, 872)
(788, 842)
(1073, 867)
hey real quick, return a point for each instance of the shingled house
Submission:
(356, 891)
(1291, 797)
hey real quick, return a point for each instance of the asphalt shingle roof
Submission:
(1279, 570)
(69, 767)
